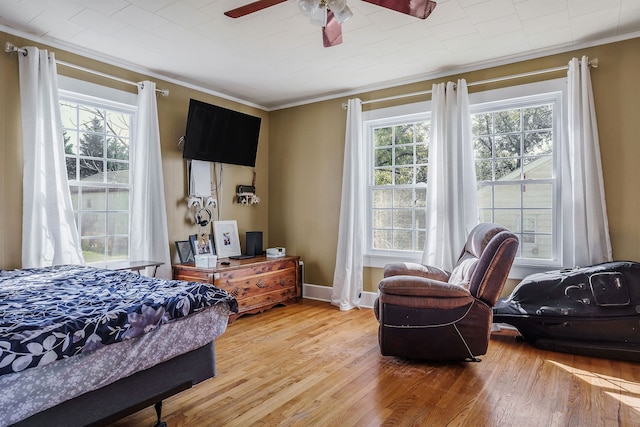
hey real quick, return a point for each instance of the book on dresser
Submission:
(257, 283)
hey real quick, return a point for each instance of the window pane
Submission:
(118, 248)
(483, 148)
(69, 114)
(404, 134)
(540, 117)
(485, 196)
(383, 157)
(541, 248)
(507, 169)
(484, 171)
(381, 218)
(91, 170)
(118, 148)
(486, 215)
(402, 218)
(403, 240)
(119, 199)
(93, 249)
(404, 155)
(118, 172)
(509, 218)
(537, 143)
(382, 137)
(537, 196)
(423, 132)
(422, 153)
(74, 197)
(538, 167)
(118, 223)
(71, 168)
(482, 124)
(404, 176)
(70, 141)
(422, 172)
(421, 219)
(403, 198)
(507, 121)
(93, 224)
(421, 197)
(94, 198)
(118, 123)
(507, 145)
(382, 198)
(507, 196)
(382, 239)
(383, 176)
(542, 220)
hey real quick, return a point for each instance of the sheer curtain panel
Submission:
(591, 240)
(452, 200)
(49, 233)
(148, 228)
(347, 278)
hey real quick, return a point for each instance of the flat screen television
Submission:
(217, 134)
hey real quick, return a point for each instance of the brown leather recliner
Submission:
(426, 313)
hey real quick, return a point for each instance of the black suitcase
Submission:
(593, 311)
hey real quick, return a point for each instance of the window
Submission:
(517, 145)
(97, 135)
(513, 145)
(397, 194)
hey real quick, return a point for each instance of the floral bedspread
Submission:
(53, 313)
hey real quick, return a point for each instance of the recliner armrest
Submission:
(415, 269)
(421, 287)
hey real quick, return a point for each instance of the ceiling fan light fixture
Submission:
(342, 15)
(319, 16)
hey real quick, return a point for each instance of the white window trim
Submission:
(521, 268)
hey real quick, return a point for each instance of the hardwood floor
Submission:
(310, 364)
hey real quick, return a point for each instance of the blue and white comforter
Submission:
(53, 313)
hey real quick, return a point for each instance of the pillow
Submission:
(461, 274)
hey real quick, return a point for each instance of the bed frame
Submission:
(125, 396)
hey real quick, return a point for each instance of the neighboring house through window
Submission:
(98, 130)
(517, 143)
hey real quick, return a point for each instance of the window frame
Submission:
(391, 116)
(524, 94)
(81, 92)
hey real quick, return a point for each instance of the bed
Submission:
(86, 346)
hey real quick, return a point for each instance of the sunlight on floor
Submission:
(627, 392)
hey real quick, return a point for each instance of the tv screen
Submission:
(217, 134)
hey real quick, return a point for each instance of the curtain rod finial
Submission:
(594, 62)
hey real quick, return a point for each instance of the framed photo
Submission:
(202, 244)
(226, 235)
(185, 252)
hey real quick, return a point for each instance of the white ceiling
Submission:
(274, 58)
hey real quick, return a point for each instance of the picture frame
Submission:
(185, 251)
(226, 238)
(202, 245)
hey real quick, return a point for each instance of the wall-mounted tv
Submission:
(217, 134)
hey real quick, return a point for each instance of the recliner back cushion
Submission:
(461, 274)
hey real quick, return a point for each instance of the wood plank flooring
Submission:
(310, 364)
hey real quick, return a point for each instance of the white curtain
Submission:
(347, 278)
(49, 233)
(148, 226)
(592, 244)
(452, 199)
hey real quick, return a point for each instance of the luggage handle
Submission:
(580, 287)
(558, 311)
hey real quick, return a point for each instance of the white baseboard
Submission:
(323, 293)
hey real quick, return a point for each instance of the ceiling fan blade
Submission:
(332, 32)
(418, 8)
(252, 7)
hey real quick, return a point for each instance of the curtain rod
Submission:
(593, 63)
(10, 47)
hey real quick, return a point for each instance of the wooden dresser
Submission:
(257, 283)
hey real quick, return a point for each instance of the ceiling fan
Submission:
(330, 14)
